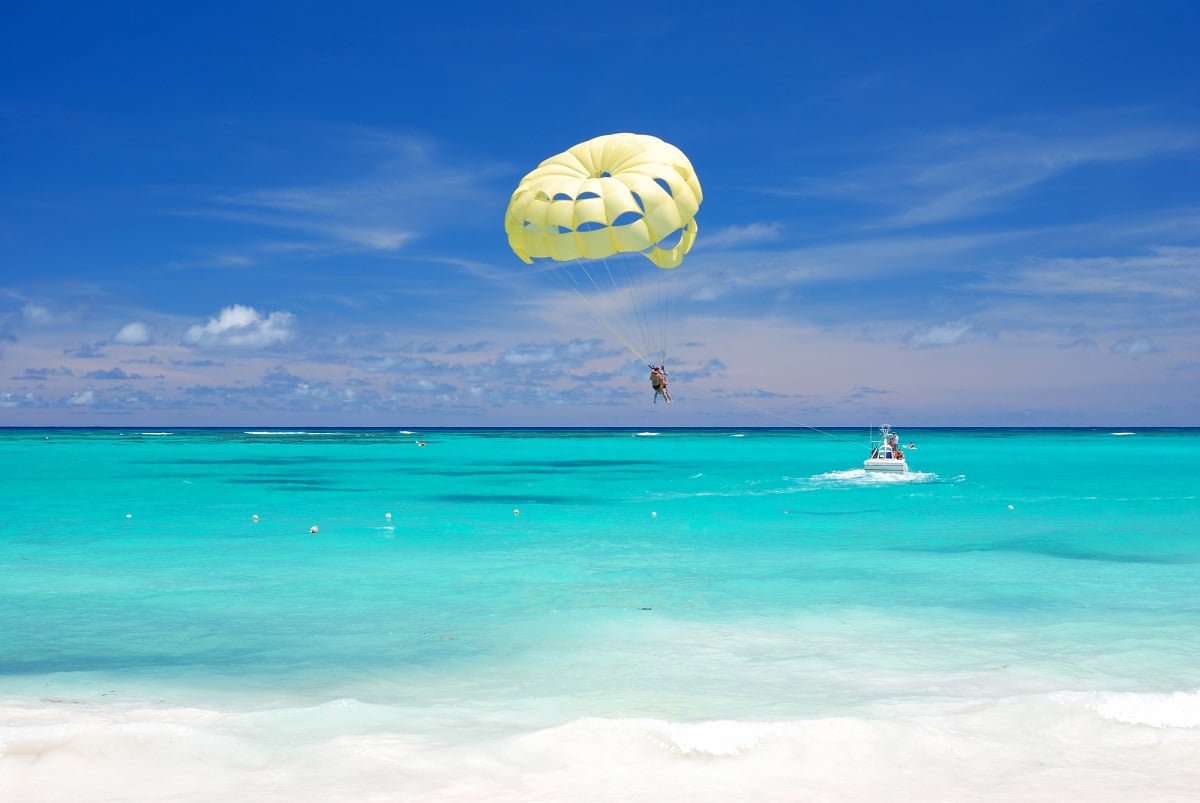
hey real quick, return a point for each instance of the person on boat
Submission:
(895, 446)
(658, 381)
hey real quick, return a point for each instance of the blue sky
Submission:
(291, 214)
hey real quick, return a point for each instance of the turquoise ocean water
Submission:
(600, 615)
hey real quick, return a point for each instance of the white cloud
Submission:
(83, 398)
(1135, 346)
(737, 236)
(12, 400)
(570, 353)
(216, 261)
(1167, 272)
(42, 316)
(962, 174)
(398, 198)
(238, 325)
(133, 334)
(946, 334)
(713, 276)
(379, 239)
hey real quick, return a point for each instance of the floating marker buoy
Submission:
(653, 514)
(387, 515)
(1010, 507)
(516, 512)
(129, 515)
(254, 517)
(312, 529)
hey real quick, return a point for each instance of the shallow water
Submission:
(598, 615)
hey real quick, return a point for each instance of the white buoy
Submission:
(516, 512)
(312, 529)
(129, 515)
(254, 517)
(387, 515)
(1010, 507)
(653, 514)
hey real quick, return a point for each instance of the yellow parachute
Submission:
(615, 195)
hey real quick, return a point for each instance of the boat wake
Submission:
(860, 476)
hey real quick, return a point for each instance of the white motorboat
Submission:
(885, 453)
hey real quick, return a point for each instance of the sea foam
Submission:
(347, 750)
(1180, 709)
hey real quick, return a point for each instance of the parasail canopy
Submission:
(619, 193)
(613, 195)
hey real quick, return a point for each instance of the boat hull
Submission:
(890, 465)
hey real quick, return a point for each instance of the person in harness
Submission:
(658, 381)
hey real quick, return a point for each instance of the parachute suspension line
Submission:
(641, 287)
(626, 319)
(598, 283)
(636, 287)
(798, 424)
(649, 307)
(572, 282)
(619, 285)
(617, 324)
(666, 299)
